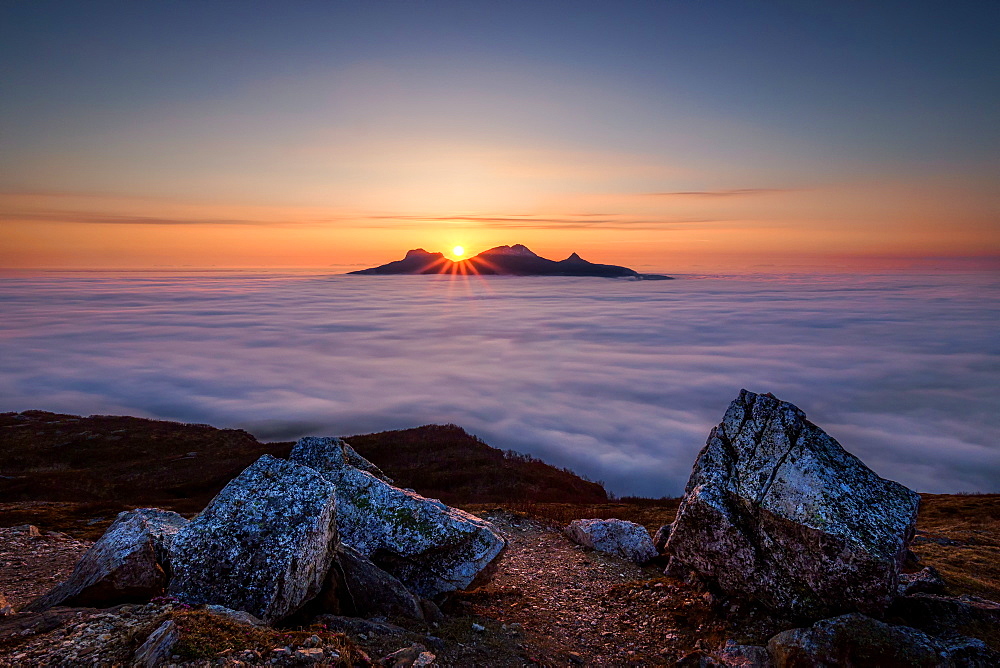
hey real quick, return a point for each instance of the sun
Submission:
(458, 251)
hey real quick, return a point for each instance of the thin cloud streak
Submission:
(617, 380)
(733, 192)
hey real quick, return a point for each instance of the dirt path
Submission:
(30, 565)
(577, 606)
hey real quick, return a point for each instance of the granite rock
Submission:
(777, 511)
(263, 545)
(619, 537)
(857, 640)
(127, 563)
(430, 547)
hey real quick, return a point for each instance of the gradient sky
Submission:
(678, 135)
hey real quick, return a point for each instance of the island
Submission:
(516, 260)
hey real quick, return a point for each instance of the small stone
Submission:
(424, 660)
(158, 646)
(478, 628)
(310, 655)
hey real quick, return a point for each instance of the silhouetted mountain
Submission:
(516, 260)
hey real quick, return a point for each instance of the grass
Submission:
(205, 636)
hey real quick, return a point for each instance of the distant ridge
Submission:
(516, 260)
(108, 462)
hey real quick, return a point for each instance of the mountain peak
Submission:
(419, 252)
(574, 258)
(516, 249)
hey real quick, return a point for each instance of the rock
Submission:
(661, 537)
(911, 561)
(926, 581)
(478, 628)
(432, 613)
(125, 564)
(239, 616)
(333, 453)
(365, 590)
(944, 614)
(159, 646)
(356, 626)
(263, 545)
(425, 660)
(745, 656)
(5, 607)
(405, 657)
(309, 655)
(620, 537)
(857, 640)
(777, 511)
(428, 546)
(29, 530)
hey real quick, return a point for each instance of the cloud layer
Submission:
(620, 381)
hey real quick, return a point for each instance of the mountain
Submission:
(108, 463)
(516, 260)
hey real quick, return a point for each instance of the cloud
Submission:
(94, 218)
(733, 192)
(621, 381)
(603, 221)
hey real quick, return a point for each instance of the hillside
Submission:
(66, 470)
(447, 463)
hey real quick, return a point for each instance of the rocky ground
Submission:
(550, 602)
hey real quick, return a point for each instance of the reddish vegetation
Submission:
(76, 473)
(444, 462)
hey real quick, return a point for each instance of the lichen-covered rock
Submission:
(857, 640)
(620, 537)
(427, 545)
(263, 545)
(323, 452)
(128, 563)
(661, 537)
(777, 511)
(363, 589)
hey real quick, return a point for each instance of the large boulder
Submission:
(619, 537)
(857, 640)
(361, 588)
(432, 548)
(128, 563)
(777, 511)
(263, 545)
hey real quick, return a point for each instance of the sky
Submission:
(620, 381)
(679, 135)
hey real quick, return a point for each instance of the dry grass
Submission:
(973, 521)
(205, 636)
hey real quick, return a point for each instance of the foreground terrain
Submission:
(548, 601)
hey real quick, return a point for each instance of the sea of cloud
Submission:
(617, 380)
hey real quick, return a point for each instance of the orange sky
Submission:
(738, 229)
(672, 135)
